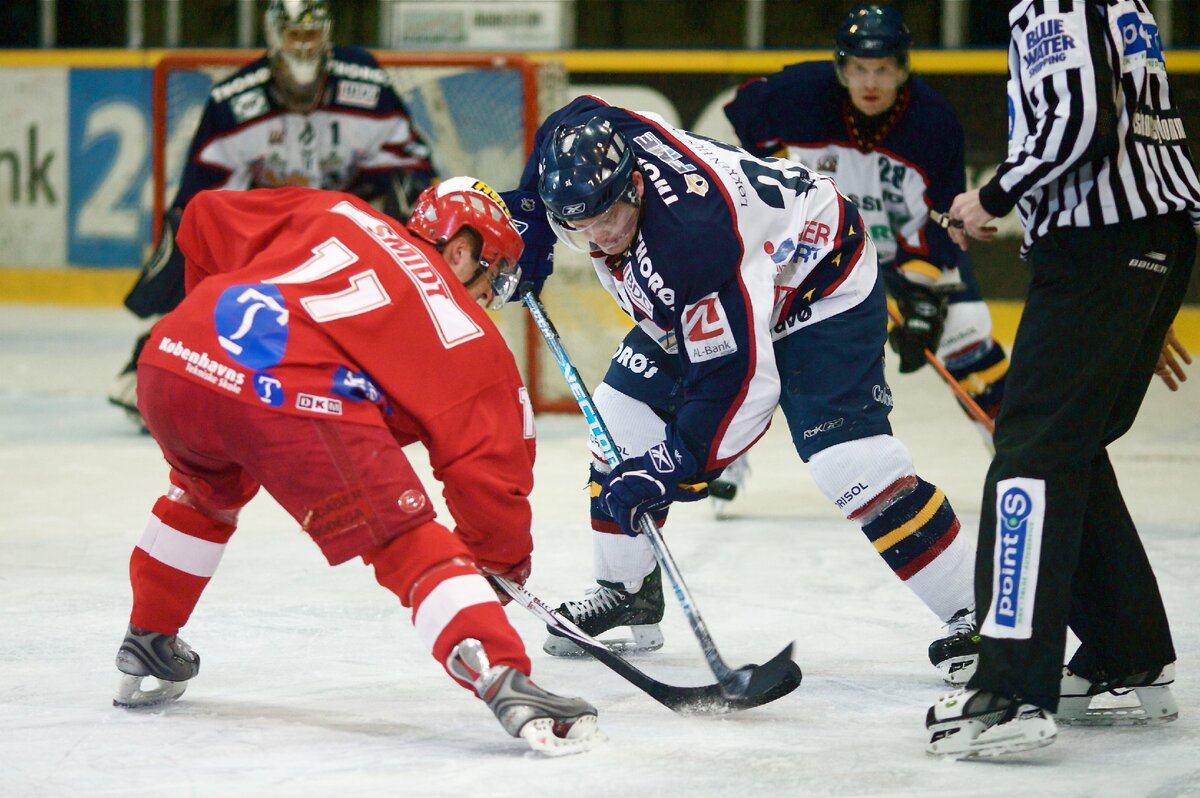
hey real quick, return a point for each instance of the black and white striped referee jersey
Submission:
(1093, 137)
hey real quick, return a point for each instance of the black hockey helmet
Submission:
(584, 169)
(872, 31)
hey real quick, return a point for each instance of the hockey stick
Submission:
(707, 699)
(779, 675)
(968, 403)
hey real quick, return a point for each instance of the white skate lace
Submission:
(963, 623)
(598, 600)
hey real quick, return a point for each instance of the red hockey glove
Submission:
(518, 573)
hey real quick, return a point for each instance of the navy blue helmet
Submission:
(873, 31)
(584, 170)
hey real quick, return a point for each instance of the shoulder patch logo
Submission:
(1056, 42)
(249, 105)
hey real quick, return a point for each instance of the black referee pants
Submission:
(1056, 543)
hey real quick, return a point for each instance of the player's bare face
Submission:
(873, 83)
(612, 231)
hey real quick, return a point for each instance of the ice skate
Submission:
(609, 606)
(956, 654)
(973, 723)
(165, 657)
(552, 725)
(1137, 700)
(725, 489)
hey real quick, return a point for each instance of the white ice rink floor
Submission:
(314, 684)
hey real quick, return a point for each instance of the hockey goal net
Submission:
(479, 114)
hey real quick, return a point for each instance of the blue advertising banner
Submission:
(109, 151)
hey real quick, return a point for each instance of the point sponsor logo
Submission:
(1015, 507)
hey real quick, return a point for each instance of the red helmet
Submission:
(445, 209)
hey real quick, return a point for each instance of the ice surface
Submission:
(312, 683)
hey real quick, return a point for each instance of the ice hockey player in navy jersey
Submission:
(306, 113)
(753, 285)
(895, 148)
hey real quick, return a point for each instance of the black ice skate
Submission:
(165, 657)
(552, 725)
(1136, 700)
(956, 655)
(609, 606)
(725, 488)
(973, 723)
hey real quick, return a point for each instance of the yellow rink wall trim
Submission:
(107, 288)
(749, 62)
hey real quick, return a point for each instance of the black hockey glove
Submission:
(924, 312)
(651, 482)
(537, 260)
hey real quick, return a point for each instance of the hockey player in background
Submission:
(895, 148)
(316, 339)
(307, 113)
(753, 285)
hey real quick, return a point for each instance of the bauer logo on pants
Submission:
(1020, 509)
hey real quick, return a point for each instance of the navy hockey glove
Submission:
(924, 312)
(651, 482)
(537, 260)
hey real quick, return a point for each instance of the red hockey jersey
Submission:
(312, 303)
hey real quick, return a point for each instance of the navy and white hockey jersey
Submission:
(732, 253)
(803, 114)
(359, 132)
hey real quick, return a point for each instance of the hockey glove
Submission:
(924, 312)
(651, 482)
(518, 573)
(537, 261)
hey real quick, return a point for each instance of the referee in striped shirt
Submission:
(1100, 172)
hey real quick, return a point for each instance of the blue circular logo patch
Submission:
(252, 324)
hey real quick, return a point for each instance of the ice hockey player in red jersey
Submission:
(316, 339)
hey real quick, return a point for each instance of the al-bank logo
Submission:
(1020, 509)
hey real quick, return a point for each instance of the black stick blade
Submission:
(708, 699)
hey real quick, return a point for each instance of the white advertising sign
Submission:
(482, 24)
(33, 167)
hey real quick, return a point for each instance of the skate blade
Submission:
(646, 638)
(583, 735)
(958, 670)
(1005, 738)
(1154, 706)
(130, 694)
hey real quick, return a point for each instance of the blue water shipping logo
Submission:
(1046, 43)
(1013, 529)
